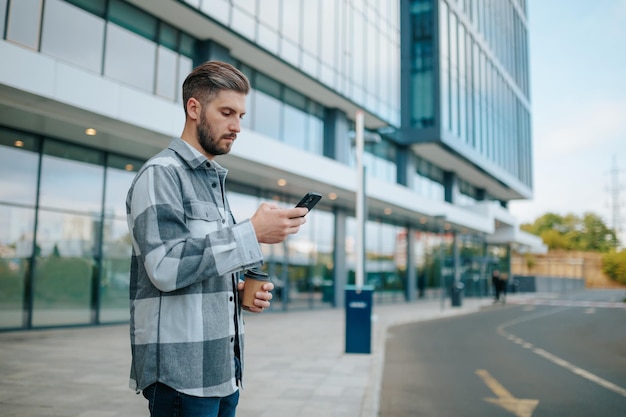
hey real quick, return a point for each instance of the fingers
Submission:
(261, 302)
(297, 212)
(272, 224)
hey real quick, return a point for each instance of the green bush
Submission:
(614, 266)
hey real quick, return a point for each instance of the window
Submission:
(73, 35)
(18, 159)
(129, 58)
(116, 247)
(23, 23)
(3, 16)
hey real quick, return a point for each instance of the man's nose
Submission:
(235, 125)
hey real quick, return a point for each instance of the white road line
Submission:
(581, 372)
(555, 359)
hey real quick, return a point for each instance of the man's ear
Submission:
(193, 108)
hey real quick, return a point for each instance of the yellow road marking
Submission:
(517, 406)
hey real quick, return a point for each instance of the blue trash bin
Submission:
(456, 294)
(359, 319)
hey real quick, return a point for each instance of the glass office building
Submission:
(89, 89)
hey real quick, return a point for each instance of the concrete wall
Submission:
(537, 283)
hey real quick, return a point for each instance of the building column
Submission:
(481, 194)
(211, 51)
(340, 266)
(406, 166)
(410, 274)
(456, 257)
(337, 144)
(451, 187)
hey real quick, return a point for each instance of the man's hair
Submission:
(208, 79)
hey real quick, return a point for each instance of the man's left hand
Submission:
(262, 298)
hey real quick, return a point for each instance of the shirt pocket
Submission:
(202, 218)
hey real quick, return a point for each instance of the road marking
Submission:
(569, 303)
(590, 310)
(518, 406)
(555, 359)
(581, 372)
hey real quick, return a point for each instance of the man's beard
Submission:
(208, 141)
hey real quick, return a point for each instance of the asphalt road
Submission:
(549, 357)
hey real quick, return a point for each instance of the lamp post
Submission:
(359, 297)
(360, 137)
(360, 202)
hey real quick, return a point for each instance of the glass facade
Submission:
(65, 250)
(281, 113)
(352, 47)
(481, 83)
(112, 38)
(64, 244)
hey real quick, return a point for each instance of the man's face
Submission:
(220, 121)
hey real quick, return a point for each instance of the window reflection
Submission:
(294, 127)
(73, 35)
(310, 263)
(383, 255)
(269, 12)
(71, 184)
(16, 245)
(3, 8)
(428, 253)
(116, 242)
(23, 22)
(129, 58)
(64, 267)
(115, 277)
(267, 111)
(17, 160)
(166, 83)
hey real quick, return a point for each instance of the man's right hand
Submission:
(273, 224)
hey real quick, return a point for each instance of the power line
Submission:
(615, 190)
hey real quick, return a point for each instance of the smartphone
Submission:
(309, 200)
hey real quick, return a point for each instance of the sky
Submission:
(578, 105)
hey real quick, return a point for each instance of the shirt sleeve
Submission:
(175, 256)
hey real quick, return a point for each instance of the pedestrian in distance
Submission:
(186, 328)
(503, 287)
(497, 285)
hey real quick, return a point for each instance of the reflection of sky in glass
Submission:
(71, 185)
(118, 183)
(16, 224)
(73, 235)
(18, 175)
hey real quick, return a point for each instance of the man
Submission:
(186, 328)
(497, 287)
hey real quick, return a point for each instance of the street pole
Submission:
(359, 298)
(360, 202)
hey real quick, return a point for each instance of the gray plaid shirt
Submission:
(185, 317)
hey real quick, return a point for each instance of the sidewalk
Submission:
(295, 366)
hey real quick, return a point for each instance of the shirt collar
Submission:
(191, 155)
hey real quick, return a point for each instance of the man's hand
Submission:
(273, 224)
(262, 298)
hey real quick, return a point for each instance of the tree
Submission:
(614, 266)
(571, 232)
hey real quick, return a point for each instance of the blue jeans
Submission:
(164, 401)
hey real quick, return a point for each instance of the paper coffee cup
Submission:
(254, 281)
